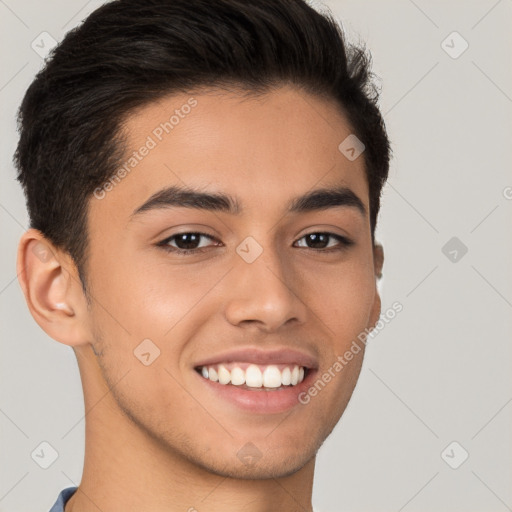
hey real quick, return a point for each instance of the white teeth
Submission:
(271, 377)
(224, 374)
(253, 377)
(212, 374)
(295, 375)
(286, 377)
(237, 376)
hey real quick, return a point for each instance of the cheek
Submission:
(148, 300)
(343, 299)
(169, 300)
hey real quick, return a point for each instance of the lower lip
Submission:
(260, 401)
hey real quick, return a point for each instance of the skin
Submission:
(155, 439)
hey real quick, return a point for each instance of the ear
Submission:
(53, 291)
(378, 262)
(378, 259)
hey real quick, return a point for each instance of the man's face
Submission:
(263, 288)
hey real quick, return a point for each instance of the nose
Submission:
(265, 293)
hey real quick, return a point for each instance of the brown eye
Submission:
(320, 241)
(185, 243)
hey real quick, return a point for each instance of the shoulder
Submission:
(62, 499)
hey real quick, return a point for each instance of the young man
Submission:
(203, 183)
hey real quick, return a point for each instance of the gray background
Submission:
(438, 372)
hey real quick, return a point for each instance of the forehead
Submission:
(263, 151)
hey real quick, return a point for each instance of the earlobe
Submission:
(46, 278)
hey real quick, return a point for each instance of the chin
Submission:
(251, 463)
(262, 469)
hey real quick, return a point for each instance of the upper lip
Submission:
(264, 357)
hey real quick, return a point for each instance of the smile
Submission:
(254, 377)
(255, 380)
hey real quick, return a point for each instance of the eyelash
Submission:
(344, 243)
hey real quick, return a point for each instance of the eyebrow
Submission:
(185, 197)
